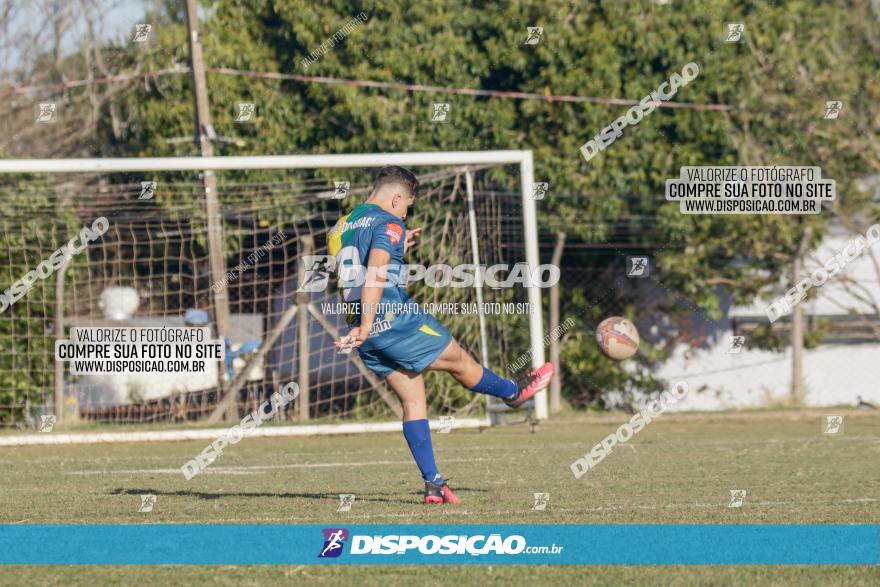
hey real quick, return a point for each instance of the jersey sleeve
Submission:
(388, 235)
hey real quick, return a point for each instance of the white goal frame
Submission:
(441, 158)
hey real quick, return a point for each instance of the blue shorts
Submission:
(413, 353)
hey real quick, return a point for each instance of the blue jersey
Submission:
(350, 241)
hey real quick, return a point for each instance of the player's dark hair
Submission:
(396, 175)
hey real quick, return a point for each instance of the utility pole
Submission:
(798, 394)
(556, 382)
(204, 134)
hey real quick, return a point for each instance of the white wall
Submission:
(833, 374)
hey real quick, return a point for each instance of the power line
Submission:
(98, 81)
(462, 91)
(361, 84)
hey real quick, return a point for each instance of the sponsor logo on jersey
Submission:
(382, 325)
(359, 223)
(394, 232)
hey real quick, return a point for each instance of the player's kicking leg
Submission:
(432, 347)
(410, 388)
(475, 377)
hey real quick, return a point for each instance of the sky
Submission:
(114, 20)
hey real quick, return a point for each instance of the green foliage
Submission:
(796, 56)
(33, 225)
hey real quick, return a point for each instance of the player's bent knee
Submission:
(453, 358)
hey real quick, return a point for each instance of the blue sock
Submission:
(491, 384)
(418, 437)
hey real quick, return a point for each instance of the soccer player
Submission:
(394, 336)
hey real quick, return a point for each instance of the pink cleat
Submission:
(435, 493)
(530, 384)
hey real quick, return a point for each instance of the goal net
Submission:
(145, 261)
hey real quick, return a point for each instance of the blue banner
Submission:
(616, 544)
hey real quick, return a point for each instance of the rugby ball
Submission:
(617, 337)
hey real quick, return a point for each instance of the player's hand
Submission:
(410, 238)
(355, 338)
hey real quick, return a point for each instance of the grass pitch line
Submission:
(212, 433)
(243, 470)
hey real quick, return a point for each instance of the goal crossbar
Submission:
(443, 158)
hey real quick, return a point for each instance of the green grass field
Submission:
(680, 469)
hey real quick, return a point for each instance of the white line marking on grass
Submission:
(245, 470)
(211, 433)
(433, 514)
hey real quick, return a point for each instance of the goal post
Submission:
(462, 163)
